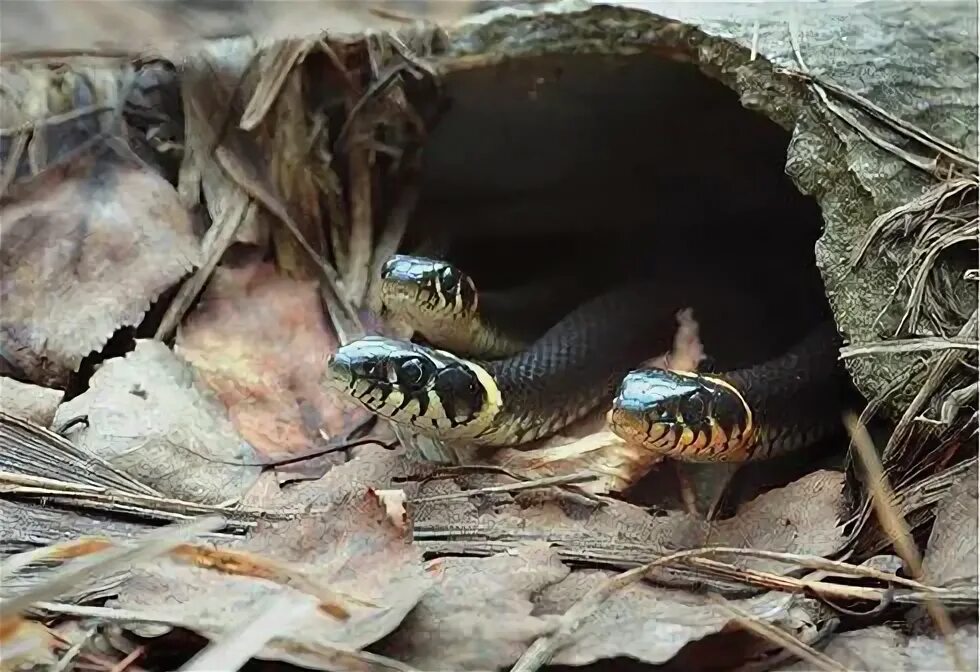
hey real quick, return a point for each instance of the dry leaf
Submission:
(29, 402)
(25, 644)
(261, 342)
(643, 621)
(87, 247)
(951, 553)
(803, 517)
(349, 549)
(149, 416)
(882, 649)
(478, 615)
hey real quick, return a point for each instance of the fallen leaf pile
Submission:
(184, 246)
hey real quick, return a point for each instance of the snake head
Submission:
(431, 390)
(683, 415)
(412, 285)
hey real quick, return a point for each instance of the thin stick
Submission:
(895, 525)
(909, 345)
(779, 637)
(273, 616)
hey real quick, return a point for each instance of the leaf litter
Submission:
(385, 561)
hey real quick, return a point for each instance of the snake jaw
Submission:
(416, 386)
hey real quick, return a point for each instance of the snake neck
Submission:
(796, 398)
(576, 365)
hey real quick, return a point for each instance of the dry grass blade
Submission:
(274, 614)
(941, 218)
(938, 369)
(780, 638)
(152, 544)
(882, 498)
(895, 123)
(909, 345)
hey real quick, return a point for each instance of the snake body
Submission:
(521, 389)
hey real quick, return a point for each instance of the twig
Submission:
(76, 648)
(779, 637)
(925, 343)
(216, 241)
(510, 487)
(128, 660)
(452, 471)
(895, 525)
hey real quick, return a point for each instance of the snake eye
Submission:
(694, 407)
(448, 279)
(413, 373)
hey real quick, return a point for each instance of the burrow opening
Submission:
(599, 163)
(595, 163)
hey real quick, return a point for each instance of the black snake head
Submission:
(415, 386)
(679, 414)
(418, 285)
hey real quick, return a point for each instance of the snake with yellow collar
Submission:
(491, 388)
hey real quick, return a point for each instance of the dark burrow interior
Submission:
(600, 164)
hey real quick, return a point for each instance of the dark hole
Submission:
(626, 163)
(635, 163)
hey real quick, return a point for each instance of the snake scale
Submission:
(480, 381)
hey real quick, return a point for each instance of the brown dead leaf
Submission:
(641, 621)
(348, 548)
(478, 615)
(148, 415)
(261, 342)
(882, 649)
(87, 246)
(951, 554)
(29, 402)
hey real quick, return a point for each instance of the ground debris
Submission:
(883, 649)
(350, 560)
(803, 517)
(481, 612)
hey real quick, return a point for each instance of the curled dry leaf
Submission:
(882, 649)
(478, 615)
(29, 402)
(348, 557)
(260, 340)
(642, 621)
(150, 417)
(87, 246)
(951, 554)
